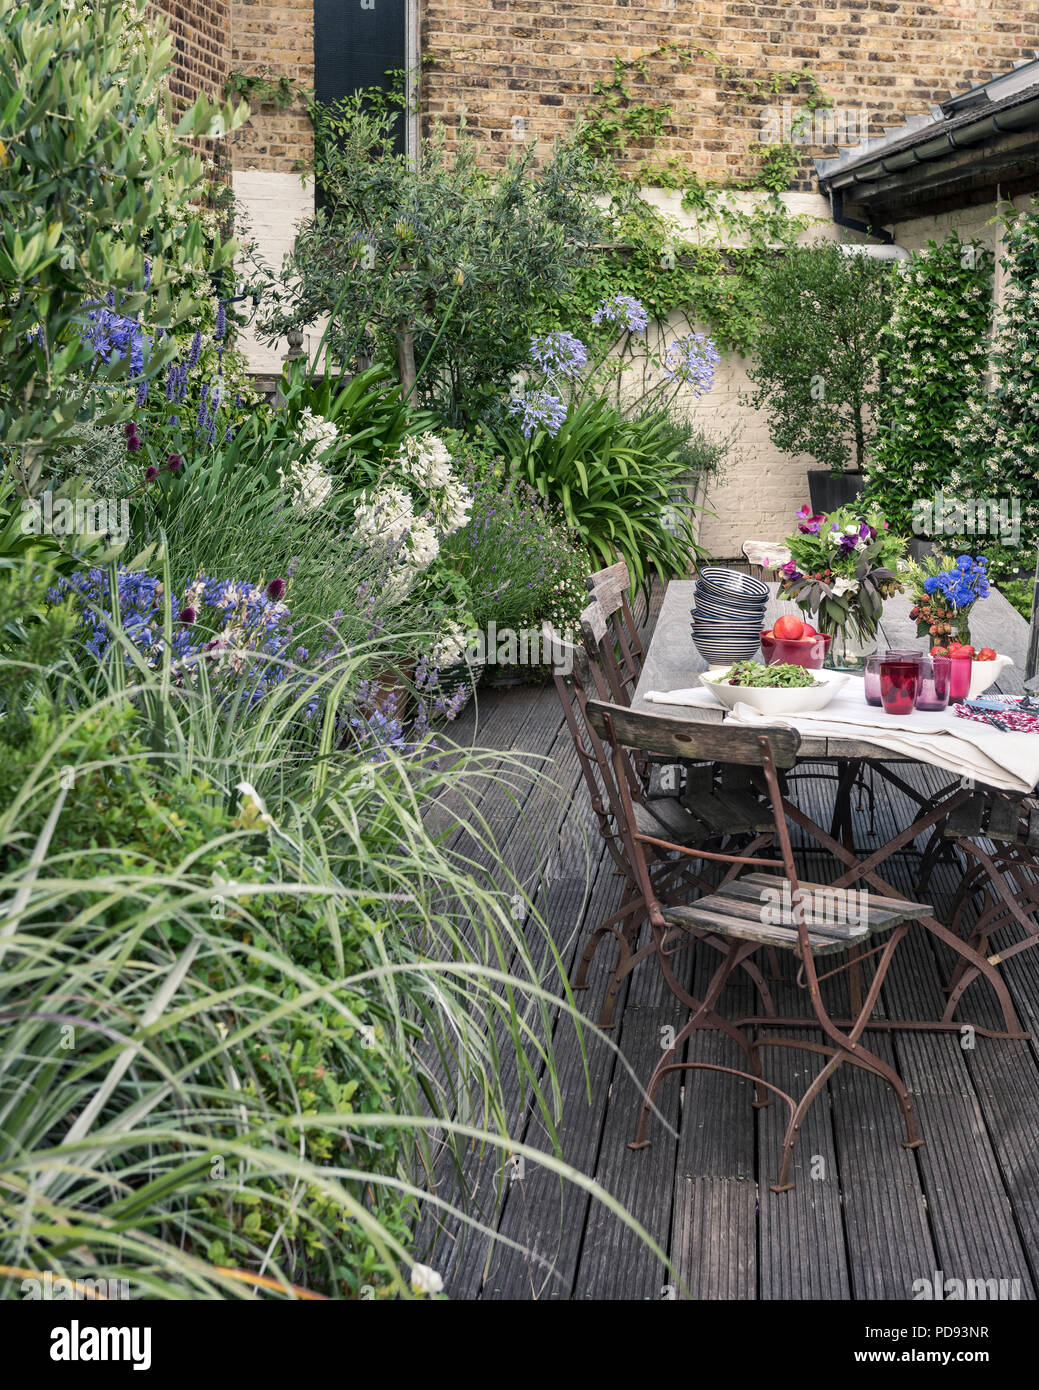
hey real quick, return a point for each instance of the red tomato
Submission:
(986, 654)
(788, 628)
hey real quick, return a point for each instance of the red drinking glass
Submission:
(960, 682)
(935, 683)
(899, 682)
(871, 675)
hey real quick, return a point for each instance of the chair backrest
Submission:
(625, 732)
(611, 589)
(672, 737)
(579, 680)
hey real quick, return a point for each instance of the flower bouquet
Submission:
(944, 592)
(841, 568)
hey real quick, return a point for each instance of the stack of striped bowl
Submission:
(729, 615)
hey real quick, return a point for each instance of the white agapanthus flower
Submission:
(426, 459)
(309, 482)
(424, 1279)
(314, 429)
(454, 507)
(423, 546)
(386, 513)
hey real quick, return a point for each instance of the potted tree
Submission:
(815, 365)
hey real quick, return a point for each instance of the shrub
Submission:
(447, 263)
(240, 973)
(620, 484)
(521, 564)
(998, 431)
(92, 165)
(815, 364)
(933, 355)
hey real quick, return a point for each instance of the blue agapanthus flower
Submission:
(624, 310)
(540, 409)
(113, 337)
(559, 354)
(691, 361)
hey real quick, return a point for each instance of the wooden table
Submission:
(673, 663)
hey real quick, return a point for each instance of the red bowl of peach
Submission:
(796, 643)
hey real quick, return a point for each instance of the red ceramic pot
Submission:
(809, 652)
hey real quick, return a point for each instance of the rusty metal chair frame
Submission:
(621, 728)
(671, 879)
(1005, 878)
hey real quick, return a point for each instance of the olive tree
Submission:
(100, 199)
(815, 358)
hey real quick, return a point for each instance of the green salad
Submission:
(782, 676)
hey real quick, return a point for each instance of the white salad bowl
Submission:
(798, 699)
(984, 673)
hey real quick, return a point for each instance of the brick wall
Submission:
(506, 61)
(199, 29)
(277, 38)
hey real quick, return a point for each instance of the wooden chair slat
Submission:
(876, 910)
(679, 738)
(728, 924)
(1004, 819)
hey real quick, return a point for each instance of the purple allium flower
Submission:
(174, 463)
(187, 615)
(150, 473)
(538, 408)
(559, 354)
(276, 589)
(130, 428)
(133, 443)
(624, 310)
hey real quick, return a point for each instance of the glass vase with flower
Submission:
(842, 566)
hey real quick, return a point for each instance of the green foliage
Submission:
(620, 114)
(998, 431)
(671, 269)
(446, 264)
(933, 355)
(815, 367)
(620, 484)
(520, 562)
(90, 162)
(243, 968)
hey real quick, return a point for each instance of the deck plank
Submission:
(877, 1216)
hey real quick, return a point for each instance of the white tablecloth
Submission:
(992, 757)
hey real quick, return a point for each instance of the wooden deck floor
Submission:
(866, 1218)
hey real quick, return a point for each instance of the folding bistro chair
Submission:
(1003, 880)
(577, 679)
(754, 910)
(611, 589)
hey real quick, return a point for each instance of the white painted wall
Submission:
(273, 205)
